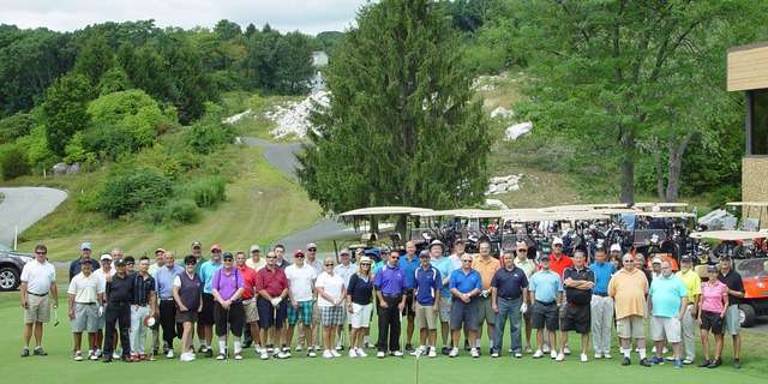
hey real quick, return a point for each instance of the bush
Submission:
(129, 189)
(39, 154)
(13, 163)
(182, 211)
(208, 191)
(13, 127)
(208, 134)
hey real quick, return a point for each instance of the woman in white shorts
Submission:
(359, 306)
(331, 293)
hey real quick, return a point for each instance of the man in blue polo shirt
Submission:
(546, 291)
(428, 282)
(205, 318)
(668, 303)
(465, 284)
(601, 306)
(444, 265)
(509, 288)
(390, 288)
(408, 264)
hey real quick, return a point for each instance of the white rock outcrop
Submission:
(293, 118)
(515, 131)
(503, 184)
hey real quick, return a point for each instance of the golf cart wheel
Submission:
(746, 315)
(9, 279)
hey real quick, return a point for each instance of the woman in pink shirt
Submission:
(712, 305)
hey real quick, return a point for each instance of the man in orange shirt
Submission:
(249, 298)
(628, 288)
(486, 265)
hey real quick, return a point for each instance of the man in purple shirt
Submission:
(228, 310)
(390, 288)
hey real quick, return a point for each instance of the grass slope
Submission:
(59, 366)
(262, 205)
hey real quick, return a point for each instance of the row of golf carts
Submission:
(666, 230)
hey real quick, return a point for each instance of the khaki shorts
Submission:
(445, 309)
(251, 311)
(86, 318)
(485, 311)
(38, 309)
(666, 329)
(426, 317)
(732, 325)
(630, 327)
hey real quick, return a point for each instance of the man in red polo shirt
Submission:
(272, 286)
(249, 301)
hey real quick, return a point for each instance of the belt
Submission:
(392, 296)
(600, 294)
(510, 298)
(37, 294)
(547, 304)
(169, 299)
(121, 303)
(77, 302)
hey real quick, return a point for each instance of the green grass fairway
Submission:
(59, 368)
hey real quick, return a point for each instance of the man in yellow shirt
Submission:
(628, 288)
(487, 266)
(692, 283)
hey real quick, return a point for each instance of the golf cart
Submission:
(751, 265)
(375, 215)
(465, 224)
(754, 214)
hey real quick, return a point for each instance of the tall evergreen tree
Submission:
(402, 127)
(65, 109)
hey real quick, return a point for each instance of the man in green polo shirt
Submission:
(668, 299)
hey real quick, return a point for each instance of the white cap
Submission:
(656, 260)
(557, 240)
(615, 248)
(106, 256)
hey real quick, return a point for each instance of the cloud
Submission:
(309, 16)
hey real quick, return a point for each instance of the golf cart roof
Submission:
(608, 205)
(660, 205)
(667, 214)
(747, 203)
(728, 235)
(383, 211)
(568, 208)
(617, 211)
(464, 213)
(526, 217)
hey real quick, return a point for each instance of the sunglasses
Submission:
(41, 253)
(522, 250)
(298, 257)
(466, 261)
(228, 259)
(191, 263)
(558, 245)
(271, 257)
(329, 265)
(365, 264)
(129, 264)
(312, 249)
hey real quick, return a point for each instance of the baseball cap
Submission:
(160, 250)
(119, 262)
(106, 256)
(557, 241)
(436, 242)
(423, 254)
(686, 259)
(311, 245)
(615, 248)
(255, 248)
(86, 245)
(545, 258)
(298, 252)
(215, 247)
(196, 244)
(656, 260)
(365, 259)
(711, 268)
(227, 255)
(344, 251)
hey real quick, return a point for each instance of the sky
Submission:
(308, 16)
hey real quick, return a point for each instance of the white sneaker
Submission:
(311, 353)
(327, 354)
(116, 356)
(352, 353)
(474, 353)
(419, 351)
(607, 355)
(553, 354)
(185, 357)
(538, 354)
(518, 355)
(598, 356)
(494, 354)
(381, 354)
(221, 356)
(566, 350)
(169, 355)
(560, 356)
(397, 353)
(264, 354)
(584, 358)
(98, 353)
(432, 352)
(238, 356)
(361, 352)
(283, 355)
(78, 356)
(454, 352)
(545, 348)
(298, 348)
(334, 353)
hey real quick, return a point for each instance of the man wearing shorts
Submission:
(205, 318)
(345, 269)
(465, 285)
(486, 266)
(38, 289)
(272, 286)
(579, 282)
(248, 297)
(301, 286)
(86, 292)
(443, 265)
(668, 303)
(546, 291)
(427, 283)
(732, 280)
(628, 288)
(509, 290)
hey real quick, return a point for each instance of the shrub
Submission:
(39, 154)
(16, 126)
(129, 189)
(208, 134)
(208, 191)
(182, 211)
(13, 163)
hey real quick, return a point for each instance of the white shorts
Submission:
(630, 327)
(665, 328)
(360, 316)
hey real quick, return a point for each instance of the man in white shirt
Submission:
(86, 293)
(105, 274)
(301, 286)
(255, 262)
(38, 284)
(345, 270)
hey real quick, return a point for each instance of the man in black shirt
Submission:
(85, 257)
(578, 282)
(509, 290)
(119, 292)
(732, 280)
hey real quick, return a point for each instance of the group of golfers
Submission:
(264, 301)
